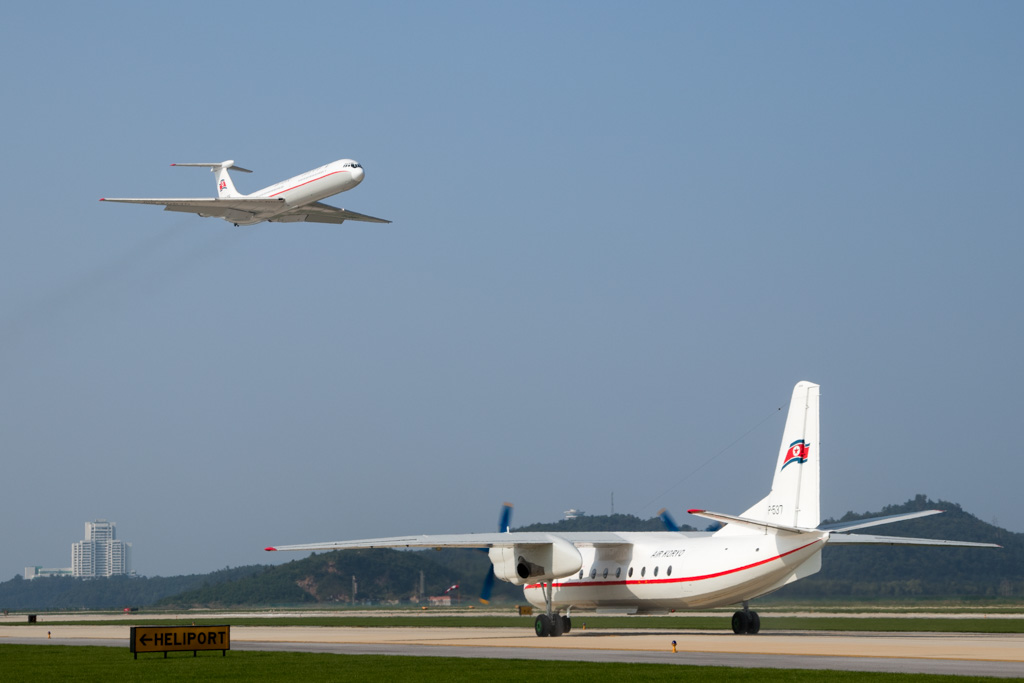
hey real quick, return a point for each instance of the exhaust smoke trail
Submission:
(118, 274)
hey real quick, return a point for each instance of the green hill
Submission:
(603, 523)
(393, 576)
(877, 572)
(67, 593)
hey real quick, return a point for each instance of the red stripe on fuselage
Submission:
(587, 584)
(312, 180)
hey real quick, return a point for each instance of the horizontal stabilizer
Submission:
(230, 165)
(747, 522)
(876, 521)
(864, 539)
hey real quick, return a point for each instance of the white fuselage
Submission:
(312, 186)
(669, 571)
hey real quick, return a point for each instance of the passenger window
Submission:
(630, 574)
(643, 571)
(593, 573)
(618, 572)
(605, 575)
(655, 571)
(668, 572)
(581, 573)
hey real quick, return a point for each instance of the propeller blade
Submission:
(485, 594)
(667, 520)
(504, 522)
(506, 518)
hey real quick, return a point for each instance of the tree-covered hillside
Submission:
(864, 571)
(118, 592)
(381, 575)
(603, 523)
(388, 576)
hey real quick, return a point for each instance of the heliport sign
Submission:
(179, 639)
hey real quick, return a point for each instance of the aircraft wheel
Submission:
(740, 623)
(542, 625)
(755, 623)
(557, 625)
(566, 624)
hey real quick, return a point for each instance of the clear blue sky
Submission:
(622, 233)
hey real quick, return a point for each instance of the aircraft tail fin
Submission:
(225, 187)
(794, 498)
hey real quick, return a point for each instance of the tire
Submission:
(542, 625)
(755, 623)
(566, 624)
(557, 626)
(740, 623)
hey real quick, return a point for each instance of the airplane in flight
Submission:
(289, 201)
(775, 542)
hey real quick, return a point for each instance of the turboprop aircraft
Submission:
(775, 542)
(289, 201)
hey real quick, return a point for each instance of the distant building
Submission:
(573, 513)
(36, 572)
(100, 554)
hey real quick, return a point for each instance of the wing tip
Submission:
(270, 548)
(695, 511)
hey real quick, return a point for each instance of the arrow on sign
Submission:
(143, 640)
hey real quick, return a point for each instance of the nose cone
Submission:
(357, 175)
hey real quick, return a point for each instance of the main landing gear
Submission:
(551, 624)
(555, 625)
(746, 622)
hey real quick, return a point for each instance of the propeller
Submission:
(667, 520)
(503, 525)
(671, 525)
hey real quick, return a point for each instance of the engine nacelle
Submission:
(532, 562)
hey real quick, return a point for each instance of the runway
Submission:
(1000, 655)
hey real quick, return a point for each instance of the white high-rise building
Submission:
(100, 554)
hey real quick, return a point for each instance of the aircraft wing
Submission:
(242, 209)
(232, 208)
(864, 539)
(318, 212)
(486, 540)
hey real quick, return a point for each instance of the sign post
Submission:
(180, 638)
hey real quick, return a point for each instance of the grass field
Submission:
(30, 663)
(717, 623)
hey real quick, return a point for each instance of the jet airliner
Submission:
(775, 542)
(289, 201)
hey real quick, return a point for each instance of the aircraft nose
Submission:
(357, 174)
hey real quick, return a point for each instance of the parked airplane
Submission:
(289, 201)
(775, 542)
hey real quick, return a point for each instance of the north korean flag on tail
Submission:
(797, 452)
